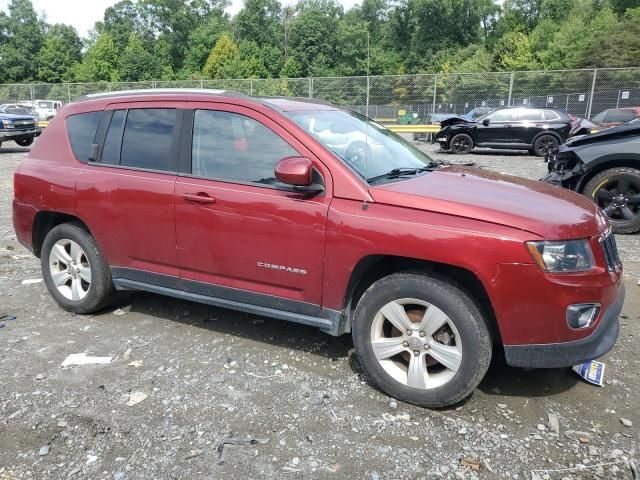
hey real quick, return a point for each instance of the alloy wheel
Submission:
(416, 343)
(620, 198)
(461, 144)
(546, 145)
(70, 270)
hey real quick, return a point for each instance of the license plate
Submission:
(441, 139)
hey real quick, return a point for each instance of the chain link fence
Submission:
(583, 93)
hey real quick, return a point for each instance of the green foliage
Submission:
(141, 40)
(223, 56)
(137, 64)
(22, 35)
(58, 57)
(101, 62)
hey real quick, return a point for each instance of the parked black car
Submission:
(539, 130)
(605, 167)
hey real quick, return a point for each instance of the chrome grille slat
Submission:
(610, 250)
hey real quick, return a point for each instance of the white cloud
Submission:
(83, 14)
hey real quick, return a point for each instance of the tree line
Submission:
(196, 39)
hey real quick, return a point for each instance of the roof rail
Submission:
(160, 91)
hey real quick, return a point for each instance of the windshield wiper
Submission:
(398, 172)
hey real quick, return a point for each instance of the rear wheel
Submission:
(544, 144)
(617, 192)
(24, 141)
(74, 270)
(461, 143)
(421, 339)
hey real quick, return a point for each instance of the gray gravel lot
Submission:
(293, 399)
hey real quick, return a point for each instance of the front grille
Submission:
(610, 250)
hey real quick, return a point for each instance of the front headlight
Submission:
(562, 256)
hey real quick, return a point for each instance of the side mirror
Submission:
(297, 172)
(486, 122)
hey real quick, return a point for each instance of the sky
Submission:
(82, 14)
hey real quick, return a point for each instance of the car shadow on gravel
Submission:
(256, 328)
(500, 379)
(9, 150)
(503, 380)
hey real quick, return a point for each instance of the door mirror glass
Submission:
(296, 171)
(486, 122)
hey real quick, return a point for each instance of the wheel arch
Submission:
(374, 267)
(44, 221)
(602, 164)
(548, 132)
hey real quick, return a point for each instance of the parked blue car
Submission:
(20, 128)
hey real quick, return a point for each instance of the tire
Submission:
(545, 144)
(464, 330)
(461, 144)
(81, 292)
(617, 192)
(24, 141)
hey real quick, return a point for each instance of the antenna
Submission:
(365, 206)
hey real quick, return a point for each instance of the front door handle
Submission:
(199, 197)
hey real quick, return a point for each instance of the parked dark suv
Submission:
(538, 130)
(312, 214)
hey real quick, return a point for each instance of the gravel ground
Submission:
(290, 401)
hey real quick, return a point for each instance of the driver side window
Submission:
(231, 146)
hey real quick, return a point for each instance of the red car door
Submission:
(128, 192)
(241, 235)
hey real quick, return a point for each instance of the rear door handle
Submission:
(199, 197)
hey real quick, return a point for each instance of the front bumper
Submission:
(566, 354)
(7, 134)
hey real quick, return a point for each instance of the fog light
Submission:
(582, 315)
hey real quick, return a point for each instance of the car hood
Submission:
(625, 130)
(455, 120)
(545, 210)
(11, 116)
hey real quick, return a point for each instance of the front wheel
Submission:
(617, 192)
(24, 141)
(421, 339)
(544, 144)
(461, 143)
(74, 270)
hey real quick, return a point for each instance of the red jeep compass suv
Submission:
(309, 213)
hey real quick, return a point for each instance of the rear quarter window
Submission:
(81, 129)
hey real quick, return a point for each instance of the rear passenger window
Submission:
(111, 149)
(530, 115)
(620, 115)
(146, 142)
(81, 129)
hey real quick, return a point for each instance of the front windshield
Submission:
(369, 148)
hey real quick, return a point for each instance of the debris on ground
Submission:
(119, 312)
(44, 450)
(553, 424)
(31, 281)
(135, 363)
(230, 440)
(592, 372)
(626, 422)
(471, 463)
(135, 398)
(84, 359)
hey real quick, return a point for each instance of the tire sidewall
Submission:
(536, 144)
(101, 283)
(461, 135)
(593, 185)
(476, 340)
